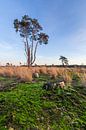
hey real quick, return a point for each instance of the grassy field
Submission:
(25, 105)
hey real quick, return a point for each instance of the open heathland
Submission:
(26, 105)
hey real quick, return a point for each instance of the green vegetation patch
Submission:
(28, 106)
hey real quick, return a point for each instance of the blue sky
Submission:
(63, 20)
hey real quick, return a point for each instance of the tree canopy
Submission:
(64, 60)
(31, 32)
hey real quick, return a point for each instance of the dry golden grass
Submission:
(43, 70)
(26, 73)
(52, 71)
(36, 69)
(22, 72)
(7, 71)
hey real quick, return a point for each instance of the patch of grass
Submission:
(20, 106)
(7, 83)
(43, 78)
(29, 106)
(2, 78)
(7, 80)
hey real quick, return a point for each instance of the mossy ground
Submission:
(28, 106)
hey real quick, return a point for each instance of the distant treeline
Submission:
(69, 66)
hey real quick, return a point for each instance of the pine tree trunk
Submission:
(28, 57)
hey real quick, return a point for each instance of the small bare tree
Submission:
(30, 31)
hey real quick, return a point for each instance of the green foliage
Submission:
(30, 31)
(64, 60)
(21, 105)
(76, 81)
(7, 83)
(29, 106)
